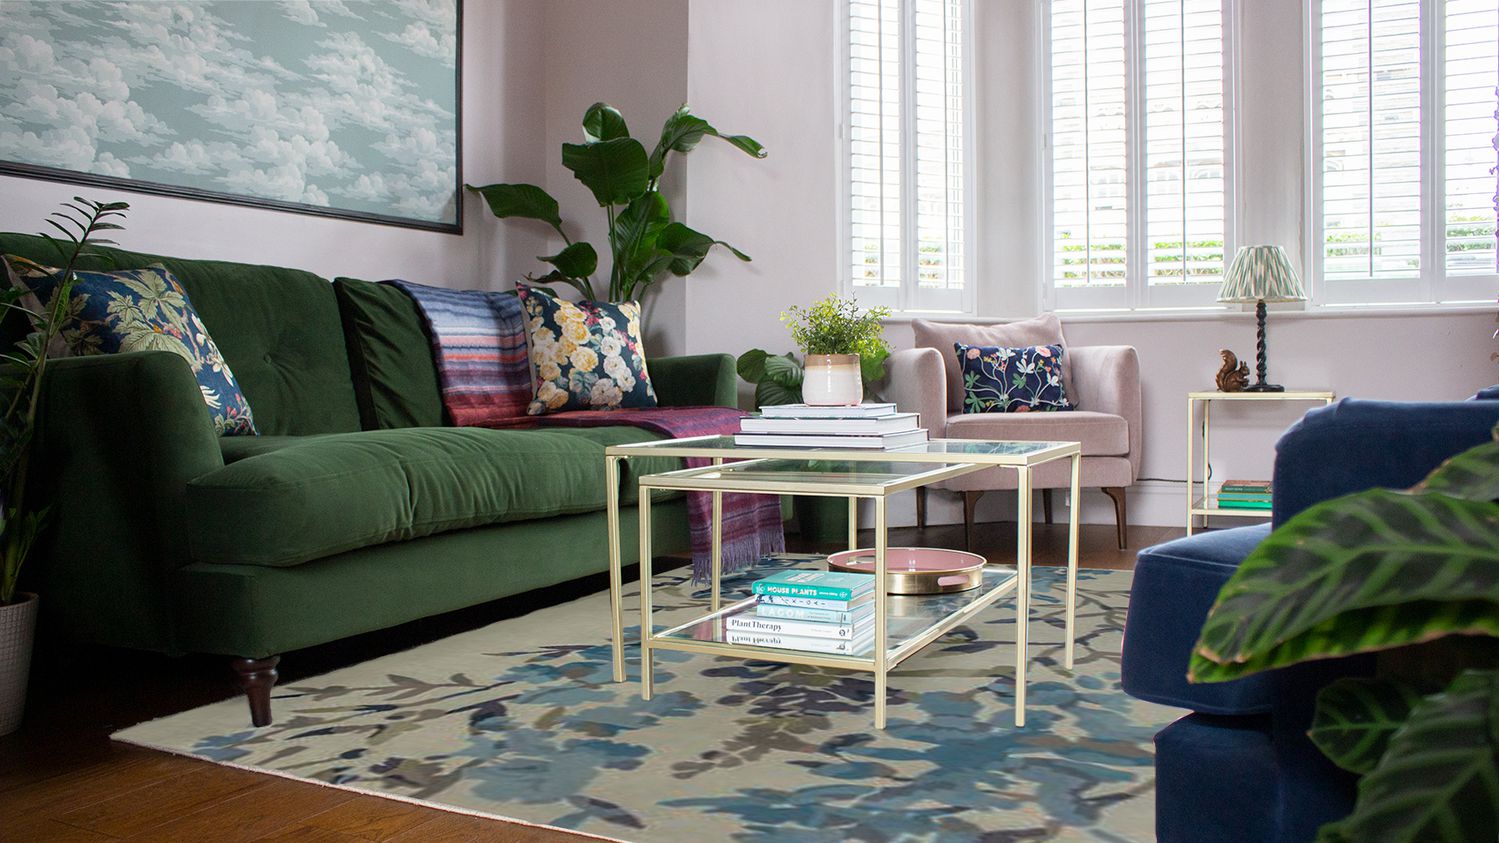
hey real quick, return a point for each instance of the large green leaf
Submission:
(768, 393)
(1364, 551)
(1439, 778)
(603, 121)
(751, 365)
(613, 170)
(688, 248)
(582, 285)
(578, 260)
(1472, 475)
(520, 200)
(684, 130)
(1360, 631)
(784, 370)
(1356, 717)
(636, 230)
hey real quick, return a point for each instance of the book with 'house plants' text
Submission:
(821, 585)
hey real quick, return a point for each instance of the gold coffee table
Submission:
(903, 625)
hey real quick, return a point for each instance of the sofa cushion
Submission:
(277, 328)
(585, 355)
(1174, 586)
(1045, 329)
(332, 494)
(633, 468)
(390, 356)
(1101, 434)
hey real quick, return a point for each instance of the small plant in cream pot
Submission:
(844, 348)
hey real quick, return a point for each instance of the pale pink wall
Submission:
(502, 115)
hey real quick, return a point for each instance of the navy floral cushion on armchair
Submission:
(997, 379)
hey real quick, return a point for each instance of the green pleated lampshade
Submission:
(1261, 273)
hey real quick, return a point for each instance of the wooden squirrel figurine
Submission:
(1234, 376)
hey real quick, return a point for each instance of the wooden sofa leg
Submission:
(970, 503)
(920, 506)
(256, 678)
(1120, 523)
(1046, 504)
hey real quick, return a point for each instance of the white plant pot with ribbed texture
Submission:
(832, 380)
(17, 631)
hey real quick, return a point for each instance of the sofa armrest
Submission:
(695, 380)
(118, 438)
(1106, 379)
(917, 382)
(1357, 444)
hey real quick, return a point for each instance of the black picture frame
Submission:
(57, 174)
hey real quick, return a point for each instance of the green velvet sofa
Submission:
(356, 509)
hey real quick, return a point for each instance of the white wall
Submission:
(502, 118)
(772, 66)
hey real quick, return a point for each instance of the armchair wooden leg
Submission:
(1120, 522)
(970, 503)
(256, 678)
(921, 506)
(1046, 504)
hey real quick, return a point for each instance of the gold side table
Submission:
(1206, 504)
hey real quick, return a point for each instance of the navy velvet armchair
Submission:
(1239, 767)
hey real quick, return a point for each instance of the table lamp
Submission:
(1261, 274)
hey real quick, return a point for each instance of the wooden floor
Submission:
(61, 778)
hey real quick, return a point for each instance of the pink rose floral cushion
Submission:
(585, 355)
(999, 379)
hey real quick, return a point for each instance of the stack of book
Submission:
(805, 426)
(813, 611)
(1244, 494)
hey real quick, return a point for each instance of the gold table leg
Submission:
(616, 578)
(881, 606)
(853, 523)
(646, 627)
(1023, 587)
(1072, 521)
(717, 544)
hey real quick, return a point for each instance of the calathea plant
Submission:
(645, 243)
(1382, 570)
(21, 373)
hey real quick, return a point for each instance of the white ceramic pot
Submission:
(17, 631)
(832, 380)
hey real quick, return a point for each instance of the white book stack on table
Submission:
(870, 425)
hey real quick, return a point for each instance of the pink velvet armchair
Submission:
(1102, 382)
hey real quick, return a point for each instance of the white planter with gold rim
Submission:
(832, 380)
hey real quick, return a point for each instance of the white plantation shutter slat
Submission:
(906, 125)
(1470, 76)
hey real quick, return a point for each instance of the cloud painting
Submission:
(345, 105)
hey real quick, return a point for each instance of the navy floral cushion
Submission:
(140, 310)
(585, 355)
(997, 379)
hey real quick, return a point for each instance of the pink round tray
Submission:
(916, 570)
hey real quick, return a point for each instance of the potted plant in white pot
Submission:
(21, 373)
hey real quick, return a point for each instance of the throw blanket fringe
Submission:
(752, 526)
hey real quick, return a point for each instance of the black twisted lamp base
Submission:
(1259, 385)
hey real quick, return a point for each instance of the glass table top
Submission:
(941, 451)
(802, 475)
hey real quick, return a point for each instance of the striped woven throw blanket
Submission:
(479, 346)
(752, 525)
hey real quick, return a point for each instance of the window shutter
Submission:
(1470, 75)
(1371, 139)
(1186, 162)
(937, 47)
(1089, 143)
(874, 142)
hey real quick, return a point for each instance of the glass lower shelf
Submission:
(1210, 506)
(911, 622)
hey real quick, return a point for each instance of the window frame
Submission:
(907, 298)
(1137, 294)
(1433, 288)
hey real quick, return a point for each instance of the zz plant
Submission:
(644, 242)
(1370, 572)
(22, 370)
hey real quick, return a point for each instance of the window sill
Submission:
(1210, 314)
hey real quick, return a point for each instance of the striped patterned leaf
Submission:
(1360, 553)
(1472, 475)
(1360, 631)
(1355, 718)
(1439, 778)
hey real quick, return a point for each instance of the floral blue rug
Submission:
(521, 720)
